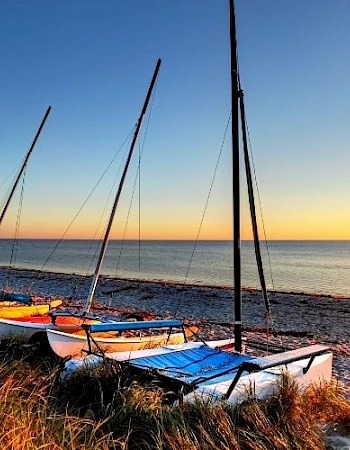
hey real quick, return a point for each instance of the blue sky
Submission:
(93, 60)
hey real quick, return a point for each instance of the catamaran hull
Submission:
(265, 383)
(313, 367)
(91, 361)
(74, 345)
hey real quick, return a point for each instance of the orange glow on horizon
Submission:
(188, 233)
(309, 226)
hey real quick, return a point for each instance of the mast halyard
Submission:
(236, 182)
(24, 164)
(115, 204)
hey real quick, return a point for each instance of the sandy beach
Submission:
(299, 318)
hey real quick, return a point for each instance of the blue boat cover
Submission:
(21, 298)
(193, 365)
(141, 325)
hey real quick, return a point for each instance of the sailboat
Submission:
(205, 371)
(12, 304)
(64, 329)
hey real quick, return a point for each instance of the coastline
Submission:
(164, 282)
(299, 318)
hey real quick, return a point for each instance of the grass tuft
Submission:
(109, 408)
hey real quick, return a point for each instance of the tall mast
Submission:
(24, 164)
(105, 241)
(235, 182)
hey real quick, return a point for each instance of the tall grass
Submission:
(111, 409)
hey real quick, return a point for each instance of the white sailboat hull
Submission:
(23, 331)
(75, 345)
(28, 327)
(266, 382)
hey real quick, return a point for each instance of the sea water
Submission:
(320, 267)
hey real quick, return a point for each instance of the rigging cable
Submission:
(9, 189)
(260, 208)
(139, 211)
(204, 211)
(14, 248)
(112, 190)
(269, 316)
(139, 166)
(137, 178)
(91, 254)
(81, 207)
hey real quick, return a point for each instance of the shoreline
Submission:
(299, 318)
(172, 282)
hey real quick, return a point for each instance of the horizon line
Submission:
(171, 239)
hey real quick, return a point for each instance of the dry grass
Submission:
(330, 405)
(110, 409)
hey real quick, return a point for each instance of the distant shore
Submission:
(298, 318)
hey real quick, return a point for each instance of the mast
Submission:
(235, 182)
(105, 241)
(24, 164)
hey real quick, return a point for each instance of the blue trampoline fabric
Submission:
(194, 364)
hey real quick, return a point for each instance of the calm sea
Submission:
(290, 266)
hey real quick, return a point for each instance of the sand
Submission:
(299, 318)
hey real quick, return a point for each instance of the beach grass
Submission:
(110, 408)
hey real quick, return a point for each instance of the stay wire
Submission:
(261, 210)
(9, 189)
(7, 193)
(251, 157)
(137, 178)
(270, 318)
(96, 244)
(137, 181)
(127, 220)
(7, 178)
(139, 166)
(83, 205)
(204, 211)
(14, 249)
(139, 212)
(112, 190)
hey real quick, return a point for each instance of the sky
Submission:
(92, 61)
